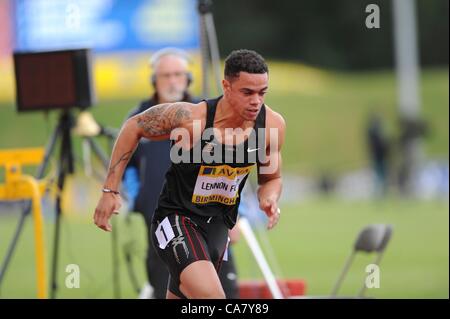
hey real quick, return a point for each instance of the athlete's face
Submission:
(245, 94)
(171, 78)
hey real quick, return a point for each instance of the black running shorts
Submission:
(181, 240)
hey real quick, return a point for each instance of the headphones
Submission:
(154, 59)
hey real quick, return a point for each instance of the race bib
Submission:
(219, 184)
(164, 233)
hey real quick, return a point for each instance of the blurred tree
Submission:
(327, 33)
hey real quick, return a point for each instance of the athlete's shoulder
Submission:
(274, 119)
(198, 110)
(187, 111)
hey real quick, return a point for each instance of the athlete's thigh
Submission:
(179, 243)
(217, 241)
(199, 280)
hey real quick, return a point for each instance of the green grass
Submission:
(312, 242)
(316, 237)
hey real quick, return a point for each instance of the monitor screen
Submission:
(52, 80)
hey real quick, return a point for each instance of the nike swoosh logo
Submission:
(252, 149)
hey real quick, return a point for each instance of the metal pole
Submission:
(204, 56)
(406, 57)
(246, 230)
(214, 49)
(341, 277)
(408, 85)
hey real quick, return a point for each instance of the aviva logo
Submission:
(224, 171)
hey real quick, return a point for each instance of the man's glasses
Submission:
(167, 76)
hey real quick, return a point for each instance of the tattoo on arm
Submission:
(124, 157)
(161, 119)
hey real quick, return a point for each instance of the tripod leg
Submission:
(14, 242)
(48, 152)
(99, 152)
(65, 166)
(53, 284)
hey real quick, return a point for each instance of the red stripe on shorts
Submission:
(201, 245)
(189, 237)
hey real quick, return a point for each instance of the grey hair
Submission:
(154, 59)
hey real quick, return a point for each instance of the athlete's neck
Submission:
(227, 117)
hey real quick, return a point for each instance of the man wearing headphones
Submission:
(145, 173)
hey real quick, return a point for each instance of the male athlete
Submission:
(216, 143)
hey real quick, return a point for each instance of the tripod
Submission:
(65, 167)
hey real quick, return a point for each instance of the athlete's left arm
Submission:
(269, 173)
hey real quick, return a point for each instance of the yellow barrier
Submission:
(19, 187)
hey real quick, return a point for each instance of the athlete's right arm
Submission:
(156, 123)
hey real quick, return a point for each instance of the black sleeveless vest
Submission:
(211, 186)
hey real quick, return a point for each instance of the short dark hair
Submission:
(244, 61)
